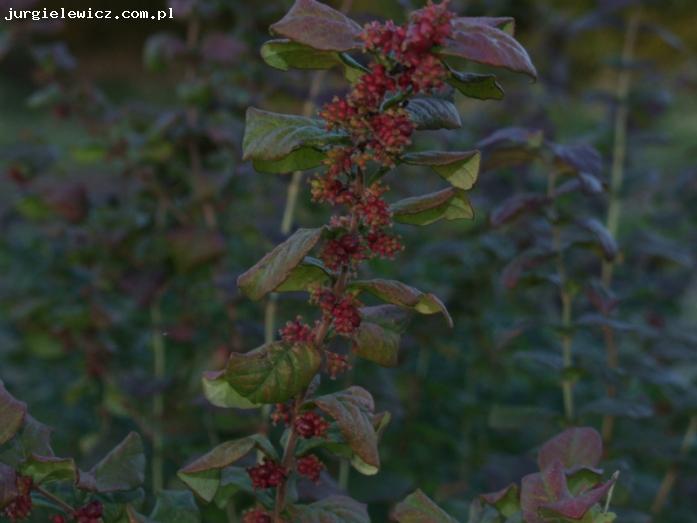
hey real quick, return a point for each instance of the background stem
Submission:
(619, 158)
(158, 407)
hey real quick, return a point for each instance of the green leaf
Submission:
(448, 204)
(575, 447)
(33, 439)
(479, 86)
(277, 266)
(12, 414)
(203, 476)
(461, 169)
(310, 273)
(284, 55)
(318, 26)
(379, 334)
(175, 506)
(401, 294)
(479, 41)
(271, 137)
(333, 509)
(122, 469)
(301, 159)
(505, 500)
(418, 508)
(353, 409)
(221, 394)
(44, 469)
(430, 114)
(273, 373)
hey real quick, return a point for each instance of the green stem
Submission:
(614, 210)
(159, 367)
(55, 499)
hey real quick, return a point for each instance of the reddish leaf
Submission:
(480, 41)
(505, 500)
(8, 485)
(318, 26)
(515, 206)
(576, 508)
(540, 489)
(419, 508)
(575, 447)
(12, 413)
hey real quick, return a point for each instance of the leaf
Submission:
(576, 507)
(515, 206)
(122, 469)
(203, 476)
(379, 334)
(479, 41)
(431, 114)
(8, 485)
(270, 137)
(34, 438)
(276, 267)
(175, 506)
(418, 508)
(193, 247)
(540, 489)
(353, 409)
(505, 500)
(575, 447)
(398, 293)
(284, 54)
(461, 169)
(510, 147)
(333, 509)
(603, 236)
(310, 273)
(44, 469)
(479, 86)
(12, 414)
(301, 159)
(580, 158)
(619, 407)
(448, 204)
(582, 479)
(318, 26)
(221, 394)
(273, 373)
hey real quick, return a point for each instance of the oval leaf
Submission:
(221, 394)
(318, 26)
(12, 413)
(448, 204)
(276, 267)
(379, 334)
(418, 508)
(310, 273)
(284, 54)
(333, 509)
(575, 447)
(478, 41)
(122, 469)
(461, 169)
(479, 86)
(273, 373)
(431, 114)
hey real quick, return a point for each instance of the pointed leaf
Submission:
(510, 147)
(276, 267)
(12, 413)
(220, 393)
(273, 373)
(431, 114)
(284, 54)
(401, 294)
(576, 508)
(271, 137)
(33, 439)
(506, 500)
(515, 206)
(333, 509)
(379, 334)
(44, 469)
(603, 237)
(459, 168)
(175, 506)
(479, 41)
(540, 489)
(122, 469)
(353, 409)
(580, 158)
(575, 447)
(448, 204)
(301, 159)
(318, 26)
(309, 274)
(479, 86)
(418, 508)
(203, 476)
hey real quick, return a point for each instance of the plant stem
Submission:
(159, 364)
(672, 473)
(619, 158)
(566, 309)
(51, 497)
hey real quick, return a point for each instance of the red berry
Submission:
(311, 425)
(90, 513)
(58, 519)
(21, 506)
(256, 515)
(296, 331)
(267, 474)
(280, 414)
(310, 466)
(336, 364)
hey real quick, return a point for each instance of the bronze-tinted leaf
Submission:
(122, 469)
(542, 488)
(418, 508)
(479, 86)
(12, 413)
(333, 509)
(506, 500)
(379, 334)
(461, 169)
(431, 114)
(448, 204)
(277, 266)
(575, 447)
(318, 26)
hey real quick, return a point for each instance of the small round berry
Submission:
(311, 425)
(311, 467)
(267, 474)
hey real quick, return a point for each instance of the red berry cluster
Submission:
(58, 519)
(256, 515)
(267, 474)
(281, 414)
(90, 513)
(343, 311)
(311, 425)
(21, 506)
(336, 364)
(296, 331)
(310, 466)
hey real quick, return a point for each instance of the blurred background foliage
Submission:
(127, 214)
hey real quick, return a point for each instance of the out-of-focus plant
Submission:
(359, 139)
